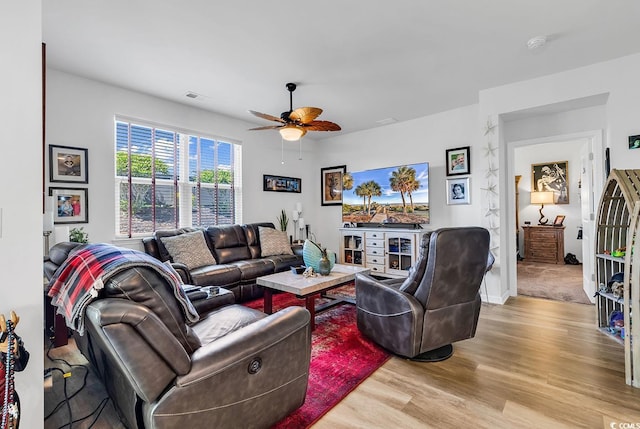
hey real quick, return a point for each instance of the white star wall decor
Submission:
(492, 211)
(489, 128)
(491, 171)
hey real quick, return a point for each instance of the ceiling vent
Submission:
(387, 121)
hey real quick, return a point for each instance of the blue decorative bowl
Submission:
(312, 255)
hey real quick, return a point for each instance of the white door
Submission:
(588, 209)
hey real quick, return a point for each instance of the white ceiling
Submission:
(362, 61)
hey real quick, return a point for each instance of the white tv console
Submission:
(387, 252)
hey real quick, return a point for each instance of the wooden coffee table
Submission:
(307, 287)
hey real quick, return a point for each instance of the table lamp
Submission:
(542, 198)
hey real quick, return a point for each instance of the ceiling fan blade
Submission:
(305, 115)
(266, 116)
(266, 127)
(321, 126)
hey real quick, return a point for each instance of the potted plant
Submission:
(283, 220)
(77, 235)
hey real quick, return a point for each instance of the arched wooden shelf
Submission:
(617, 223)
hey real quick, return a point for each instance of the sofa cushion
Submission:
(228, 242)
(216, 275)
(285, 262)
(254, 268)
(162, 251)
(225, 320)
(190, 249)
(274, 242)
(253, 237)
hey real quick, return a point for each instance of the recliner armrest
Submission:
(183, 271)
(248, 342)
(380, 297)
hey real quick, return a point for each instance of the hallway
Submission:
(550, 281)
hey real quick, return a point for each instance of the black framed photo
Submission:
(70, 205)
(331, 185)
(281, 183)
(634, 142)
(552, 177)
(458, 161)
(68, 164)
(558, 220)
(459, 191)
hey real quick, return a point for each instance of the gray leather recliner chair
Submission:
(437, 304)
(235, 367)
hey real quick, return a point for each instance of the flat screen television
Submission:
(387, 196)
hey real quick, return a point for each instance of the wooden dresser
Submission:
(544, 244)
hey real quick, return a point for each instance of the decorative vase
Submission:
(324, 266)
(312, 254)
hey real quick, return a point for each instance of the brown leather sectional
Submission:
(236, 248)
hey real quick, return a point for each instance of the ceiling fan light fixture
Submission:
(292, 132)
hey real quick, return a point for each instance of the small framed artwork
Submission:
(331, 185)
(634, 142)
(553, 177)
(459, 191)
(458, 161)
(68, 164)
(558, 220)
(70, 205)
(281, 183)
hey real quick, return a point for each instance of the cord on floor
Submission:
(67, 397)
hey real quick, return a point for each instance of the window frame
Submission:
(181, 180)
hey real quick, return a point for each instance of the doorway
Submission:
(573, 283)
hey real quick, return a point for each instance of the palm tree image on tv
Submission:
(387, 195)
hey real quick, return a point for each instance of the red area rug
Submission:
(341, 358)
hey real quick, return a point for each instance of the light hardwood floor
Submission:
(534, 363)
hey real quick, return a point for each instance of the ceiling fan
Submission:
(294, 124)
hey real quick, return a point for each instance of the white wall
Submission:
(545, 153)
(81, 112)
(419, 140)
(21, 196)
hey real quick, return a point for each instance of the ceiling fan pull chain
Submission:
(282, 151)
(300, 141)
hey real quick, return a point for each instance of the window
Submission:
(170, 178)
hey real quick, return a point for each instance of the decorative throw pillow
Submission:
(190, 249)
(273, 242)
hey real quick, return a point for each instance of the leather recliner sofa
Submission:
(235, 367)
(237, 251)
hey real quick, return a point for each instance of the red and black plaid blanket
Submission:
(79, 279)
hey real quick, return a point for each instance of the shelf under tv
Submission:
(389, 225)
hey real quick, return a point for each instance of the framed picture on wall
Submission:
(554, 177)
(70, 205)
(281, 183)
(68, 164)
(331, 185)
(458, 191)
(458, 161)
